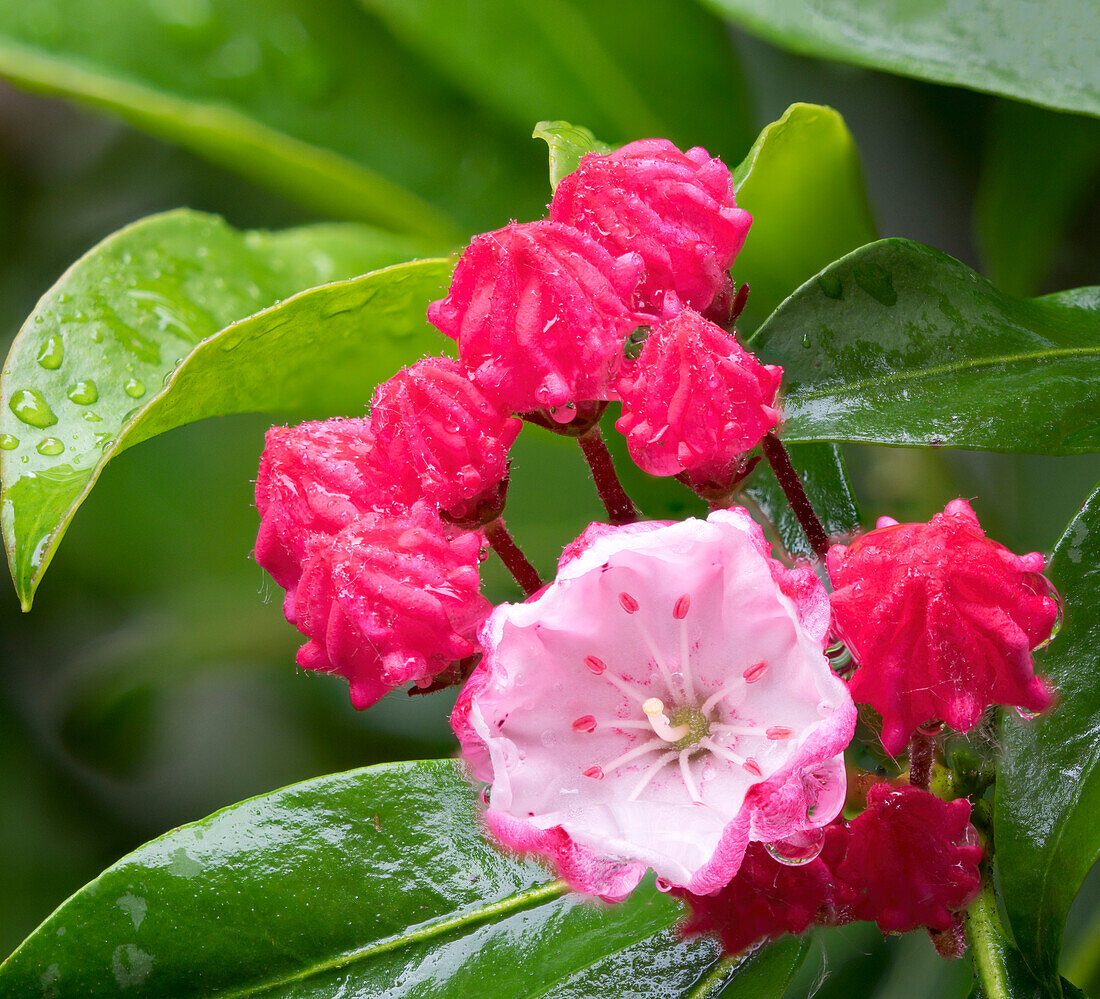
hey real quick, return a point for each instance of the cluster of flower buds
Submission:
(666, 703)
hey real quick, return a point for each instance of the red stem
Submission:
(514, 560)
(921, 752)
(620, 508)
(792, 488)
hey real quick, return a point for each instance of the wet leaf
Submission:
(174, 319)
(627, 76)
(900, 344)
(1048, 782)
(1040, 53)
(314, 100)
(373, 882)
(566, 145)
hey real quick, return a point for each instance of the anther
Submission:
(679, 611)
(595, 665)
(629, 604)
(755, 672)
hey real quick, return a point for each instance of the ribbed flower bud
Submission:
(391, 600)
(540, 312)
(442, 438)
(940, 621)
(675, 209)
(695, 401)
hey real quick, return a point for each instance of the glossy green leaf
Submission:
(1048, 783)
(803, 183)
(900, 344)
(825, 478)
(367, 883)
(1043, 53)
(660, 68)
(174, 319)
(1038, 168)
(566, 145)
(312, 99)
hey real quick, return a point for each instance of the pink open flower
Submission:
(540, 312)
(443, 439)
(662, 703)
(389, 600)
(695, 401)
(941, 622)
(675, 209)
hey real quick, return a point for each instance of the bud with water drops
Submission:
(941, 622)
(540, 312)
(443, 439)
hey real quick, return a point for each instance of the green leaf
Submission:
(824, 475)
(662, 68)
(1048, 783)
(174, 319)
(1041, 53)
(312, 99)
(367, 883)
(803, 184)
(900, 344)
(567, 144)
(1038, 168)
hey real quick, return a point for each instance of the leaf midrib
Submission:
(921, 374)
(529, 899)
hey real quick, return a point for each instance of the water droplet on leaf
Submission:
(50, 446)
(134, 388)
(84, 393)
(8, 443)
(31, 407)
(52, 353)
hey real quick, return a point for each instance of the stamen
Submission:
(666, 673)
(628, 603)
(777, 732)
(654, 709)
(633, 754)
(685, 659)
(595, 665)
(623, 687)
(681, 609)
(755, 672)
(689, 781)
(650, 774)
(746, 763)
(721, 692)
(586, 723)
(625, 723)
(739, 729)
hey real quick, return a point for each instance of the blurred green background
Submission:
(154, 681)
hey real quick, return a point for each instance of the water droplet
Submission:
(798, 849)
(1039, 584)
(970, 836)
(877, 282)
(50, 446)
(8, 443)
(930, 728)
(52, 353)
(663, 885)
(1027, 714)
(831, 286)
(84, 393)
(31, 407)
(134, 388)
(92, 417)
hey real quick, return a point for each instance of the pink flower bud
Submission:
(675, 209)
(314, 480)
(540, 312)
(443, 439)
(912, 859)
(768, 897)
(695, 401)
(622, 714)
(390, 600)
(940, 621)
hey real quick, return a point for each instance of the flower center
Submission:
(697, 724)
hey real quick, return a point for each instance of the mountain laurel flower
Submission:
(540, 313)
(941, 622)
(912, 859)
(773, 895)
(314, 480)
(675, 209)
(665, 701)
(443, 439)
(389, 600)
(695, 401)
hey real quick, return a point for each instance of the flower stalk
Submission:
(620, 507)
(792, 488)
(523, 572)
